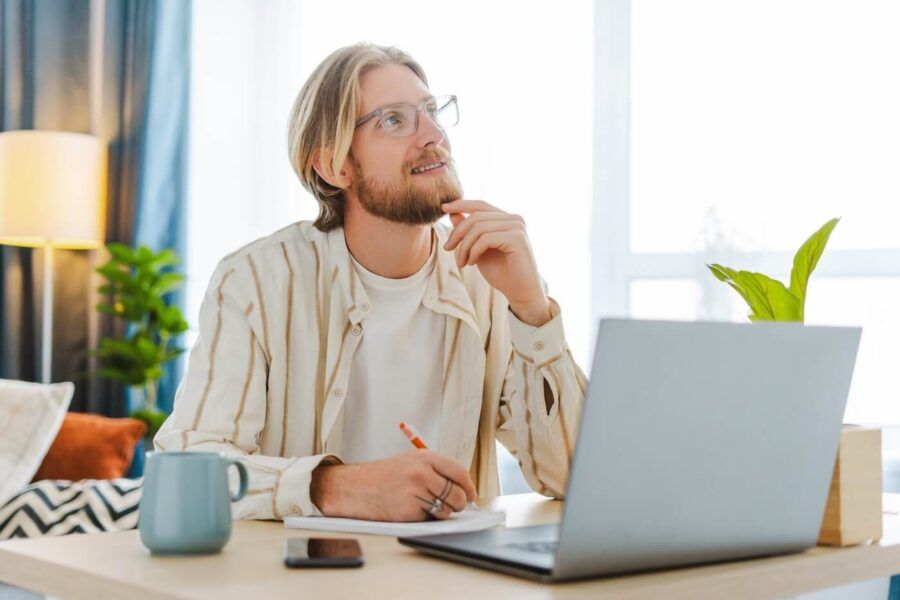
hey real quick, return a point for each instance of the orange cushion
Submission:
(91, 447)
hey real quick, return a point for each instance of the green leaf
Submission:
(114, 273)
(179, 327)
(153, 373)
(806, 259)
(131, 309)
(780, 304)
(173, 353)
(761, 309)
(146, 350)
(113, 348)
(165, 258)
(171, 320)
(767, 298)
(167, 282)
(750, 290)
(106, 309)
(113, 264)
(154, 419)
(144, 255)
(723, 273)
(115, 375)
(121, 252)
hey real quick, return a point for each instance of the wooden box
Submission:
(853, 512)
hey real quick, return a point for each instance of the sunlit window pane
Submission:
(776, 114)
(871, 303)
(675, 299)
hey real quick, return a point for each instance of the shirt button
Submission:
(337, 392)
(364, 307)
(356, 331)
(539, 346)
(295, 509)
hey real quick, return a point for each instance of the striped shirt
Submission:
(267, 377)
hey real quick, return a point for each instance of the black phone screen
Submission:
(322, 552)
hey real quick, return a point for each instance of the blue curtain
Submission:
(45, 58)
(161, 219)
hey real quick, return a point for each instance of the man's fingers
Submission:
(479, 230)
(457, 499)
(447, 467)
(503, 241)
(465, 225)
(449, 493)
(451, 496)
(425, 505)
(468, 206)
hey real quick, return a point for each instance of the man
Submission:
(317, 341)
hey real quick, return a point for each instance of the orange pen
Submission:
(413, 436)
(410, 432)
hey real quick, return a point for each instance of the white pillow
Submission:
(30, 417)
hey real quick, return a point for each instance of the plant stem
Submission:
(151, 388)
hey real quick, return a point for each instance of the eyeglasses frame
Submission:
(379, 112)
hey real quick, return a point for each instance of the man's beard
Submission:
(410, 202)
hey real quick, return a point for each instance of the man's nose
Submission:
(429, 131)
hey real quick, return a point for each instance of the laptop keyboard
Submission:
(546, 547)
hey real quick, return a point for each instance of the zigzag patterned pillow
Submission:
(55, 507)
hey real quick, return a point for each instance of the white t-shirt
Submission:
(397, 369)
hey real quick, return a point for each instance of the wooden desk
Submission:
(116, 565)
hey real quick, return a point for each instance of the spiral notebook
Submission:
(467, 520)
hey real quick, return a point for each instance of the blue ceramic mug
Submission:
(185, 504)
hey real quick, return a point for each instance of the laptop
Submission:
(699, 442)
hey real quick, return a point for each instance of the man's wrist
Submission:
(324, 488)
(535, 313)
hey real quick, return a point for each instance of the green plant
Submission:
(769, 299)
(136, 283)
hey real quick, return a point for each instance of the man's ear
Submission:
(322, 165)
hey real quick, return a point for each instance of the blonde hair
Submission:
(323, 117)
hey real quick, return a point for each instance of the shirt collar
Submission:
(445, 292)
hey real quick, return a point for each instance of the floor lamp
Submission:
(52, 196)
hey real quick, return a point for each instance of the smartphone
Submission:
(322, 552)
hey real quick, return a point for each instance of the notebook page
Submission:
(467, 520)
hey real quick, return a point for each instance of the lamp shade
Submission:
(52, 189)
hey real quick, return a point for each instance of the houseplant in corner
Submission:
(137, 279)
(853, 511)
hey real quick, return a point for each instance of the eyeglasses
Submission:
(402, 120)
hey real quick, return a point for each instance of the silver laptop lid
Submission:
(704, 441)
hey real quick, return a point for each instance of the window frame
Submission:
(614, 265)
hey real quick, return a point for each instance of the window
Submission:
(730, 131)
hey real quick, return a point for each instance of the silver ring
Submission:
(437, 505)
(447, 489)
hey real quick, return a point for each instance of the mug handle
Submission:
(242, 473)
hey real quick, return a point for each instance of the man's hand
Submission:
(394, 489)
(498, 243)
